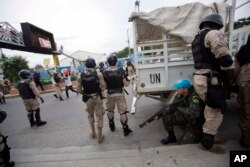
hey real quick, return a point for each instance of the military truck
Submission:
(162, 46)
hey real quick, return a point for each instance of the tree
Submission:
(12, 65)
(241, 22)
(123, 53)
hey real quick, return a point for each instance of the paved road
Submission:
(67, 127)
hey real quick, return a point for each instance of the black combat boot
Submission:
(1, 101)
(61, 98)
(38, 118)
(126, 130)
(55, 96)
(10, 164)
(112, 125)
(31, 119)
(170, 139)
(4, 100)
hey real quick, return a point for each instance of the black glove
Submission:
(41, 99)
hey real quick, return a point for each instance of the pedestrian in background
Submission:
(242, 69)
(68, 83)
(30, 94)
(37, 80)
(90, 84)
(116, 79)
(211, 55)
(56, 79)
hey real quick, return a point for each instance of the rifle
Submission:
(163, 109)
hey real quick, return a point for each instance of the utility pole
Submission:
(128, 42)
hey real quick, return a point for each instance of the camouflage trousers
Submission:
(172, 119)
(191, 128)
(213, 117)
(95, 107)
(120, 102)
(57, 89)
(31, 104)
(244, 100)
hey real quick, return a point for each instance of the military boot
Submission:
(214, 149)
(31, 119)
(100, 135)
(10, 164)
(112, 125)
(170, 139)
(38, 118)
(126, 130)
(4, 99)
(61, 98)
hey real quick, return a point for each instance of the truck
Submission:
(162, 46)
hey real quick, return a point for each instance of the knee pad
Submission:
(207, 140)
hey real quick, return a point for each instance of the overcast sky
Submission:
(98, 26)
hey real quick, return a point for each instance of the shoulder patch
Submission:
(221, 36)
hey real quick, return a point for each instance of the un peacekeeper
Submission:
(90, 84)
(29, 93)
(185, 115)
(4, 148)
(242, 68)
(212, 63)
(115, 80)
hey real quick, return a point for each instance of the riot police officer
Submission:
(243, 79)
(90, 84)
(4, 148)
(211, 55)
(115, 80)
(29, 93)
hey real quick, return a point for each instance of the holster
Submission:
(215, 95)
(85, 98)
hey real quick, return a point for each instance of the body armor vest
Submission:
(114, 80)
(90, 83)
(244, 55)
(25, 91)
(203, 57)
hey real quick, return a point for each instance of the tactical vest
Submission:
(56, 78)
(90, 83)
(114, 80)
(25, 91)
(243, 56)
(203, 57)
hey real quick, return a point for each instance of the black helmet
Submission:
(112, 60)
(101, 64)
(24, 74)
(212, 18)
(90, 63)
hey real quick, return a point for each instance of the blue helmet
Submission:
(182, 84)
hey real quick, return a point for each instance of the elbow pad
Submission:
(226, 61)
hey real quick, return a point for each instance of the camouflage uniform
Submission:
(211, 58)
(57, 87)
(117, 99)
(32, 105)
(214, 40)
(4, 89)
(94, 103)
(185, 116)
(243, 81)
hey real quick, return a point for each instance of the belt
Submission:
(209, 75)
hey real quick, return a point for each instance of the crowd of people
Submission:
(199, 115)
